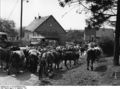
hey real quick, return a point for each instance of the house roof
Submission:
(36, 23)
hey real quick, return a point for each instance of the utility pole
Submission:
(21, 16)
(21, 19)
(0, 8)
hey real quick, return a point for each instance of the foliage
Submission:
(107, 46)
(8, 27)
(74, 36)
(101, 11)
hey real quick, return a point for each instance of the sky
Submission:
(10, 9)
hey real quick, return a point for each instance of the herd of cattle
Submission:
(44, 60)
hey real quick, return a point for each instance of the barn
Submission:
(45, 27)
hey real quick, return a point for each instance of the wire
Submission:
(13, 9)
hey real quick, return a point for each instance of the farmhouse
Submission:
(45, 27)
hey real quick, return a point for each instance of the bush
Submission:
(107, 46)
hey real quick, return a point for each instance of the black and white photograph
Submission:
(59, 43)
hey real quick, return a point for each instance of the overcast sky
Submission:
(10, 9)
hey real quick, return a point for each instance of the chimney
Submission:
(39, 17)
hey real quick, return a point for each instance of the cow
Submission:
(71, 56)
(33, 57)
(93, 54)
(17, 61)
(4, 57)
(47, 60)
(49, 57)
(57, 58)
(82, 50)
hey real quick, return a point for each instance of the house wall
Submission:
(28, 35)
(89, 34)
(51, 28)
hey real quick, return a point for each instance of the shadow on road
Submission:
(58, 74)
(45, 82)
(102, 60)
(101, 68)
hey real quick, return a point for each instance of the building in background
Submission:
(106, 33)
(89, 34)
(46, 27)
(93, 35)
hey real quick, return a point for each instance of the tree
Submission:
(74, 35)
(8, 27)
(117, 36)
(102, 12)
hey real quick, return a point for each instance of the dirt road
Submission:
(76, 75)
(27, 79)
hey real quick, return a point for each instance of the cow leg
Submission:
(57, 65)
(40, 72)
(9, 69)
(45, 68)
(42, 69)
(88, 62)
(34, 67)
(92, 61)
(0, 61)
(70, 63)
(17, 70)
(7, 66)
(78, 60)
(1, 65)
(75, 61)
(81, 53)
(66, 64)
(50, 67)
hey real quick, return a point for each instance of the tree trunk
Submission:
(116, 49)
(117, 33)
